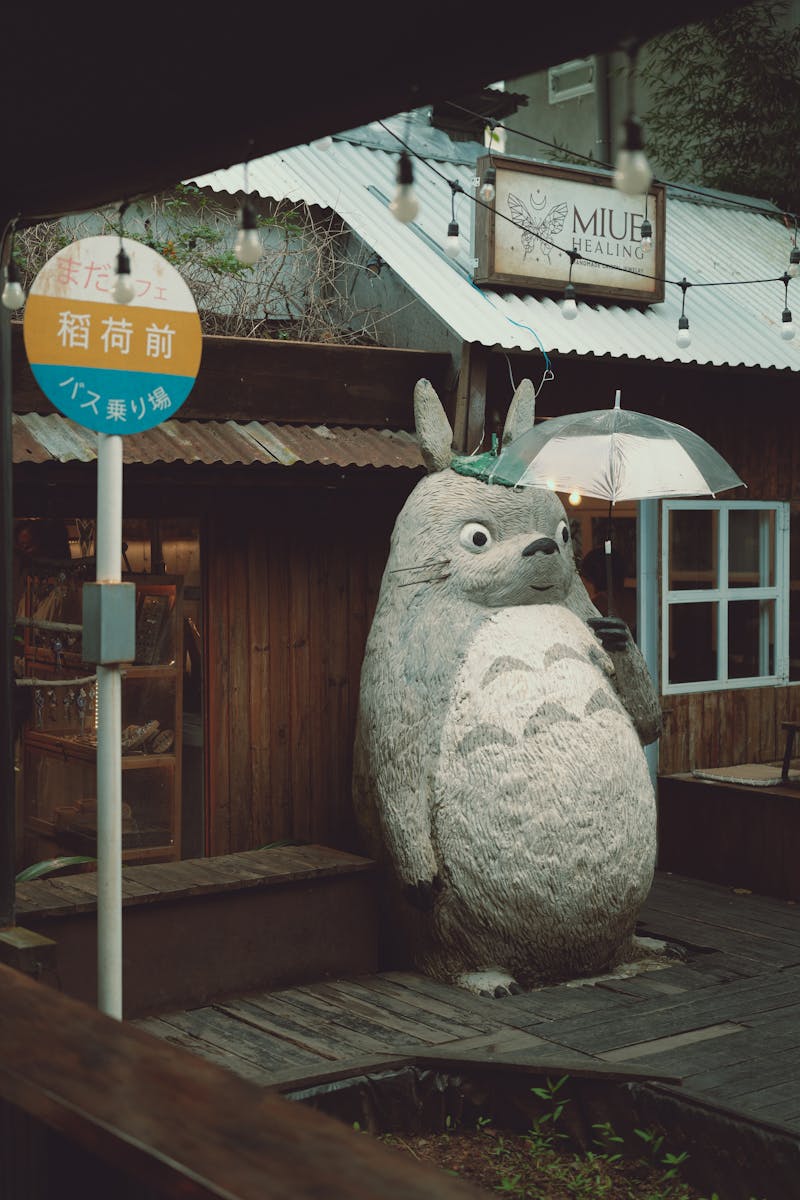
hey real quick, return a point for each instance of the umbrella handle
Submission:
(609, 580)
(609, 537)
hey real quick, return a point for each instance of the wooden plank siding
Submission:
(706, 729)
(293, 581)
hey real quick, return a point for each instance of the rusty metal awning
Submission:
(51, 438)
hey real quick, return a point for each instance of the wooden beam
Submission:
(470, 415)
(305, 383)
(184, 1126)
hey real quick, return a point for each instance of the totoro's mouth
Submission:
(542, 589)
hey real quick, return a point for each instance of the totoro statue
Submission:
(499, 775)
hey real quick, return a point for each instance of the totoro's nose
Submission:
(542, 545)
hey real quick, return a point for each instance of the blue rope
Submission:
(517, 323)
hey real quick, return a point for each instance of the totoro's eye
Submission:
(475, 537)
(562, 532)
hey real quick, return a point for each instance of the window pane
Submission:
(693, 642)
(692, 548)
(751, 638)
(751, 548)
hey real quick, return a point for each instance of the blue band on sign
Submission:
(115, 402)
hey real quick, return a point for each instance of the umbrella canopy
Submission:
(614, 455)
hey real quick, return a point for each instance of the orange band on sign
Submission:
(111, 336)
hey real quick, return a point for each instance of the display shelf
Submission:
(60, 751)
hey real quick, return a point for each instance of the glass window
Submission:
(725, 617)
(162, 691)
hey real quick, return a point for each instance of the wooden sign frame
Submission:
(542, 209)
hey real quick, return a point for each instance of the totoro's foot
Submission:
(494, 983)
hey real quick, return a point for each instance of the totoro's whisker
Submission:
(419, 582)
(423, 566)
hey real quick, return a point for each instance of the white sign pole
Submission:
(108, 549)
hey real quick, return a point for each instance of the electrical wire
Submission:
(574, 255)
(682, 187)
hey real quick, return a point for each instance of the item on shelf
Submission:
(150, 626)
(162, 742)
(81, 706)
(135, 736)
(38, 701)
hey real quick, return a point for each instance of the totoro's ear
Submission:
(521, 412)
(434, 434)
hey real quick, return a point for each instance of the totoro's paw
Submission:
(423, 893)
(612, 632)
(493, 983)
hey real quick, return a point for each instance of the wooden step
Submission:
(199, 930)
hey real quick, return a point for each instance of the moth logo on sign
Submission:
(115, 368)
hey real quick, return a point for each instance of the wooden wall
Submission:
(293, 579)
(709, 729)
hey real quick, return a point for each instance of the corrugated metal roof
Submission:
(705, 241)
(53, 438)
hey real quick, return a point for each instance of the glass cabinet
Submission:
(60, 740)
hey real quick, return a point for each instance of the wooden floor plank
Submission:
(696, 933)
(487, 1008)
(675, 1041)
(232, 1035)
(353, 1018)
(739, 1079)
(251, 1014)
(429, 1004)
(392, 1003)
(558, 1003)
(347, 995)
(302, 1015)
(224, 1058)
(663, 1017)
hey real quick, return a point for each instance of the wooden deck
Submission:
(723, 1022)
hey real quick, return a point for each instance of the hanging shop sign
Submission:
(115, 368)
(540, 213)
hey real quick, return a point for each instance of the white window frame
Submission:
(723, 595)
(557, 91)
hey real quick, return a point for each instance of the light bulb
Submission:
(247, 247)
(684, 338)
(569, 307)
(13, 296)
(575, 499)
(633, 175)
(123, 289)
(405, 205)
(323, 143)
(551, 485)
(794, 262)
(451, 242)
(787, 328)
(488, 190)
(647, 236)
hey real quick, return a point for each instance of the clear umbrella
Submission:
(614, 454)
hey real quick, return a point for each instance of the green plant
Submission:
(302, 288)
(50, 865)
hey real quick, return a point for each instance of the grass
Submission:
(541, 1164)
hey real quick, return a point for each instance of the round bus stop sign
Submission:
(115, 368)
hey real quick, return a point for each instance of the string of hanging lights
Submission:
(569, 307)
(247, 247)
(123, 288)
(13, 297)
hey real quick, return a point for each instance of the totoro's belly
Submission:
(542, 795)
